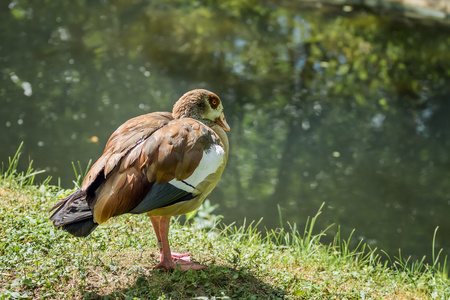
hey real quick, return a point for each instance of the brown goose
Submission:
(163, 164)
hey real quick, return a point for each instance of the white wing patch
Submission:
(212, 159)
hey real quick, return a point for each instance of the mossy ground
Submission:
(38, 261)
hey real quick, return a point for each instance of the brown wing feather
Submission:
(171, 151)
(120, 193)
(122, 140)
(180, 150)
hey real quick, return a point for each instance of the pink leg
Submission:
(155, 223)
(156, 227)
(161, 226)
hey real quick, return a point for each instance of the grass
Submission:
(38, 261)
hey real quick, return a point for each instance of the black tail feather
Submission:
(81, 228)
(74, 215)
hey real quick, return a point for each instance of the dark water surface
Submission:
(333, 105)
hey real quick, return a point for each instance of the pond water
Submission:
(330, 104)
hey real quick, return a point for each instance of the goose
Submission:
(162, 164)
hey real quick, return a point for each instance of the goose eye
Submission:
(214, 101)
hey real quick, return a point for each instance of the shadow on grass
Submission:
(215, 281)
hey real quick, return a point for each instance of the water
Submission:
(325, 105)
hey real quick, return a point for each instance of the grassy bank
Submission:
(115, 262)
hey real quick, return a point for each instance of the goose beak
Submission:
(222, 122)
